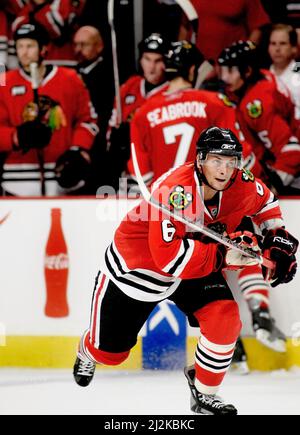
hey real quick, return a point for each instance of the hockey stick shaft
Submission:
(110, 13)
(205, 69)
(195, 227)
(34, 73)
(192, 15)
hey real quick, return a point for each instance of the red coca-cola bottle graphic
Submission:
(56, 269)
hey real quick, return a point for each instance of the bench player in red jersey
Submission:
(265, 114)
(134, 93)
(166, 128)
(155, 257)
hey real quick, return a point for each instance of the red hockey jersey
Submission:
(63, 86)
(166, 128)
(133, 96)
(266, 117)
(151, 252)
(66, 88)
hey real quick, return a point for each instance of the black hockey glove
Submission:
(73, 168)
(281, 247)
(33, 135)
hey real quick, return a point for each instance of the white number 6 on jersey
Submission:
(168, 231)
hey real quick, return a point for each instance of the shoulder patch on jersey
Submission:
(255, 109)
(18, 90)
(130, 99)
(180, 200)
(247, 176)
(226, 100)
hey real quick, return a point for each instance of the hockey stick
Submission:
(191, 13)
(34, 73)
(110, 13)
(205, 69)
(195, 227)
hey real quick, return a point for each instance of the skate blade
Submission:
(264, 337)
(240, 368)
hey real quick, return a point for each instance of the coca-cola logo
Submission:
(57, 262)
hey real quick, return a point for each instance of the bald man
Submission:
(88, 44)
(97, 73)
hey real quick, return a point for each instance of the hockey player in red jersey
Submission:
(156, 257)
(61, 123)
(264, 114)
(134, 93)
(169, 124)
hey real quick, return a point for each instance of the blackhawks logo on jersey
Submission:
(247, 175)
(255, 109)
(180, 200)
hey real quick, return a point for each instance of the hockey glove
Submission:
(73, 169)
(281, 247)
(33, 135)
(235, 260)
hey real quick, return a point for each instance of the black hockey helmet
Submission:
(241, 54)
(155, 43)
(32, 31)
(181, 57)
(220, 141)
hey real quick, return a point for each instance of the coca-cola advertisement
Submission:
(56, 269)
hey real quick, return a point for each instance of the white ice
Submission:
(46, 392)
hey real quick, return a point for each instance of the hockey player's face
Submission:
(218, 170)
(28, 51)
(153, 67)
(231, 76)
(280, 48)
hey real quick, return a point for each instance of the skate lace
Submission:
(86, 368)
(213, 401)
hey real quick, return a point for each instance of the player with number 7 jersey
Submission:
(166, 128)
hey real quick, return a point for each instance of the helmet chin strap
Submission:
(203, 180)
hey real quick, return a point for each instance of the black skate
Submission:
(203, 403)
(266, 331)
(83, 372)
(239, 361)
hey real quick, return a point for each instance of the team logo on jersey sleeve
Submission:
(179, 199)
(255, 109)
(247, 175)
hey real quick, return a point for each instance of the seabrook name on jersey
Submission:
(172, 112)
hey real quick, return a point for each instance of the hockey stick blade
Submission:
(195, 227)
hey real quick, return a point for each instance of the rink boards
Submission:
(29, 338)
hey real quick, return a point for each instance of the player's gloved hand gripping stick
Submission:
(246, 252)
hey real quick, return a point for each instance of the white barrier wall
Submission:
(88, 226)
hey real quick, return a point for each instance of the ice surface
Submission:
(140, 393)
